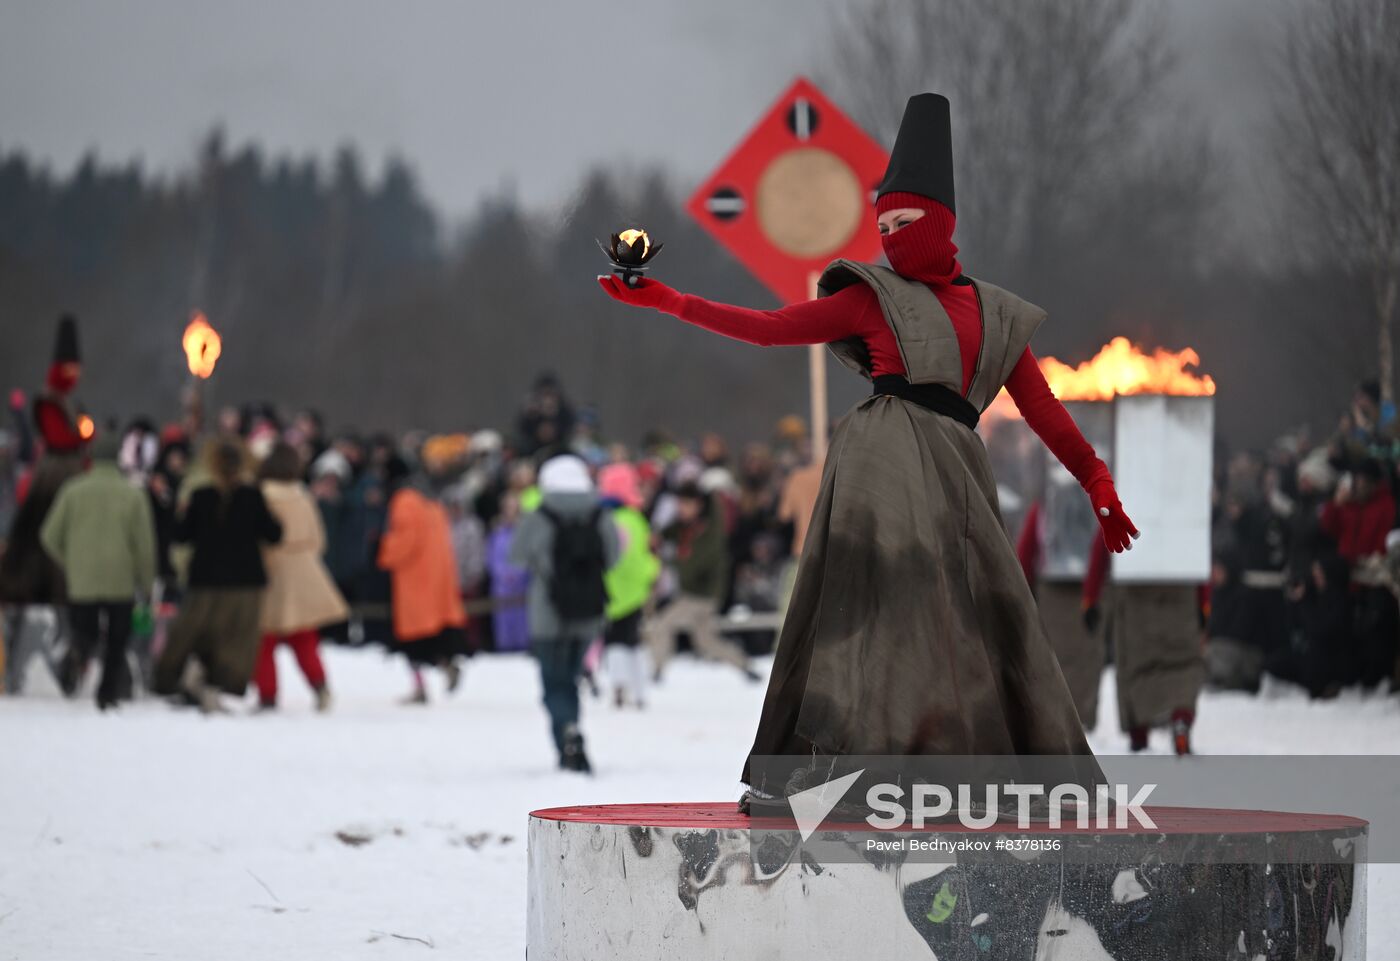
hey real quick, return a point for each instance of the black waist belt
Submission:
(934, 397)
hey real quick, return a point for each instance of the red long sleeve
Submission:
(1052, 424)
(855, 312)
(851, 312)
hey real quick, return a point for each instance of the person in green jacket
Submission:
(100, 530)
(629, 582)
(701, 556)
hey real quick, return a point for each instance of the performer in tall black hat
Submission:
(27, 574)
(912, 629)
(54, 417)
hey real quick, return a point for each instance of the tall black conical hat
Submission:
(65, 348)
(922, 160)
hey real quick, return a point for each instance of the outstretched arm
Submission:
(1053, 425)
(810, 322)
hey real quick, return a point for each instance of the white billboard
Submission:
(1162, 453)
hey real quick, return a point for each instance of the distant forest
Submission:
(353, 296)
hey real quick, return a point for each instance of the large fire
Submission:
(1120, 368)
(202, 345)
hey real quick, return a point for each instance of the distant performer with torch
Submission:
(912, 629)
(27, 574)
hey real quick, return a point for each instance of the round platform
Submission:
(681, 881)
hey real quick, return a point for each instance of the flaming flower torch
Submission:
(202, 345)
(630, 252)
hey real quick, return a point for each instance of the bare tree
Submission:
(1338, 123)
(1060, 112)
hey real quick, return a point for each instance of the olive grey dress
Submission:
(912, 629)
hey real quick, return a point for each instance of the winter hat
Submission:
(686, 470)
(622, 483)
(396, 470)
(1315, 471)
(565, 474)
(331, 462)
(67, 364)
(922, 159)
(106, 445)
(649, 471)
(261, 441)
(486, 441)
(1392, 542)
(920, 175)
(716, 480)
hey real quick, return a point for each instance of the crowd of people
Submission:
(198, 555)
(1306, 570)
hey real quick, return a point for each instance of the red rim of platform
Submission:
(1169, 820)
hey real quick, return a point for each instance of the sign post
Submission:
(795, 194)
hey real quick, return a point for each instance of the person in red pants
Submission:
(301, 597)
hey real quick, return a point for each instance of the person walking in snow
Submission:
(568, 544)
(100, 531)
(429, 619)
(300, 597)
(629, 583)
(214, 641)
(510, 626)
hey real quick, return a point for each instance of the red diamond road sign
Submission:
(796, 193)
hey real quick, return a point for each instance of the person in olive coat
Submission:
(101, 532)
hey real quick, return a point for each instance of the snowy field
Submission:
(386, 831)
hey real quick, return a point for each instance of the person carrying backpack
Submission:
(567, 545)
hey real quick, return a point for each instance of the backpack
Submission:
(576, 588)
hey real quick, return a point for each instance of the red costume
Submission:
(27, 574)
(911, 629)
(1360, 527)
(922, 251)
(53, 418)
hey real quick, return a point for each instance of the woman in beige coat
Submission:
(300, 597)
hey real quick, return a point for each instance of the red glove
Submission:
(646, 293)
(1118, 530)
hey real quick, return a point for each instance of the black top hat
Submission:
(922, 159)
(65, 348)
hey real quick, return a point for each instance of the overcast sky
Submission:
(475, 94)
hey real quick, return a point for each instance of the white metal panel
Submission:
(1163, 448)
(1068, 526)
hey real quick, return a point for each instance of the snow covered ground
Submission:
(385, 831)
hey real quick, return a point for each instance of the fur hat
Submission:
(565, 474)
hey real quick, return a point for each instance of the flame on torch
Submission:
(202, 345)
(1119, 369)
(86, 428)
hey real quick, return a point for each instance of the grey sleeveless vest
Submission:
(927, 342)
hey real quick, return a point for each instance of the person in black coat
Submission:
(1320, 653)
(214, 640)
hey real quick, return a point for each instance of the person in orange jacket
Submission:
(416, 549)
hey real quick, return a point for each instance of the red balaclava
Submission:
(924, 250)
(63, 376)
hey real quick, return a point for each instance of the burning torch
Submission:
(630, 252)
(202, 345)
